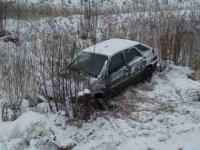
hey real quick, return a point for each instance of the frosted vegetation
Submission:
(38, 40)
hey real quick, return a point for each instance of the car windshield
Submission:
(90, 63)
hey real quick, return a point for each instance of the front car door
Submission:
(117, 72)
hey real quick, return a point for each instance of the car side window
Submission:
(142, 47)
(131, 54)
(116, 62)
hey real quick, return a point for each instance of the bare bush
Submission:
(56, 52)
(18, 77)
(89, 20)
(3, 14)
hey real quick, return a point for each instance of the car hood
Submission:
(78, 81)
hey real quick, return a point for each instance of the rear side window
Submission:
(142, 47)
(117, 62)
(131, 54)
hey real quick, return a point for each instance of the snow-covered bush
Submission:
(56, 81)
(17, 72)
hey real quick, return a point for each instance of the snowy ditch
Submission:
(163, 114)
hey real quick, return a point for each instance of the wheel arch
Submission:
(99, 95)
(149, 66)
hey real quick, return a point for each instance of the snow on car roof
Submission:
(111, 46)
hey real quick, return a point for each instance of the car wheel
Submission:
(100, 104)
(148, 72)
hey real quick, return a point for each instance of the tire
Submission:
(100, 104)
(148, 73)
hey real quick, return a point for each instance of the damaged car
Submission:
(112, 65)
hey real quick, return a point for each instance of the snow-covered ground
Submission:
(30, 30)
(161, 115)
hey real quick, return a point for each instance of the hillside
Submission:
(41, 105)
(163, 114)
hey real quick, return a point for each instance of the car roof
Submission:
(110, 47)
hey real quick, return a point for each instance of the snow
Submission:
(85, 91)
(111, 46)
(163, 114)
(151, 124)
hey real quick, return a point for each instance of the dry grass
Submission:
(132, 102)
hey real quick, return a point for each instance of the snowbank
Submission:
(150, 126)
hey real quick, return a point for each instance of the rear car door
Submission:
(117, 72)
(135, 61)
